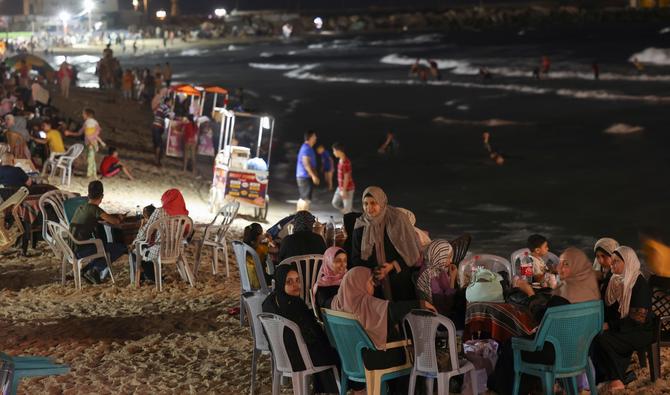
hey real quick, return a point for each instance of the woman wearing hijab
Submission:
(385, 241)
(631, 328)
(303, 241)
(254, 238)
(286, 302)
(380, 318)
(172, 205)
(330, 276)
(578, 284)
(437, 278)
(603, 249)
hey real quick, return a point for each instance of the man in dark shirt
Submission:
(83, 227)
(11, 176)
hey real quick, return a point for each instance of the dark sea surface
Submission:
(563, 177)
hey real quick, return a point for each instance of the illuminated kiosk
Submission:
(237, 176)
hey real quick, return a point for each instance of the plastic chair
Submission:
(9, 236)
(3, 148)
(274, 326)
(16, 368)
(349, 338)
(241, 250)
(64, 163)
(170, 231)
(252, 303)
(494, 263)
(460, 246)
(64, 239)
(424, 324)
(308, 270)
(660, 306)
(570, 329)
(214, 236)
(550, 259)
(54, 200)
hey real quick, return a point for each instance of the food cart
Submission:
(217, 91)
(238, 176)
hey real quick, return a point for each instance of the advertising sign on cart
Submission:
(175, 140)
(247, 187)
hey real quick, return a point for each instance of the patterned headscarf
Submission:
(303, 221)
(620, 287)
(439, 254)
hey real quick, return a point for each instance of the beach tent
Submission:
(33, 62)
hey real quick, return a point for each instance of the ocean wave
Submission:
(622, 128)
(266, 54)
(465, 67)
(271, 66)
(77, 59)
(487, 122)
(306, 73)
(193, 52)
(656, 56)
(361, 114)
(421, 39)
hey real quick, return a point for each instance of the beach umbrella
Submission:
(186, 89)
(34, 63)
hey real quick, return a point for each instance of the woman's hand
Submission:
(427, 306)
(605, 326)
(524, 286)
(383, 271)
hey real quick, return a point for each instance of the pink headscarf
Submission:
(371, 312)
(327, 275)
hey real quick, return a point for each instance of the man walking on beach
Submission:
(343, 199)
(157, 128)
(305, 171)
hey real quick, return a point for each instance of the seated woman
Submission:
(604, 248)
(628, 316)
(578, 284)
(330, 276)
(286, 302)
(380, 318)
(385, 241)
(303, 241)
(254, 238)
(437, 280)
(172, 205)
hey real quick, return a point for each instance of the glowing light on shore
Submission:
(161, 14)
(220, 12)
(318, 22)
(64, 16)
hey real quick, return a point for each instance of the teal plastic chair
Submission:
(15, 368)
(570, 329)
(350, 339)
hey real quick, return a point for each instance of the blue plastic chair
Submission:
(16, 368)
(350, 339)
(570, 329)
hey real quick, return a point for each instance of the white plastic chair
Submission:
(424, 324)
(170, 233)
(3, 148)
(308, 270)
(550, 259)
(494, 263)
(252, 303)
(9, 236)
(275, 326)
(241, 250)
(54, 199)
(64, 163)
(214, 236)
(63, 238)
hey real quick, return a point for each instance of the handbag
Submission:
(485, 287)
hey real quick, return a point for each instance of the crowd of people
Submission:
(387, 267)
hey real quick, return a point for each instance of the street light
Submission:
(64, 16)
(220, 12)
(88, 7)
(161, 14)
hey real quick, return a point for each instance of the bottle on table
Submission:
(526, 268)
(138, 212)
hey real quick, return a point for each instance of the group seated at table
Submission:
(388, 273)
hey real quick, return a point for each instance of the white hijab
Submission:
(621, 286)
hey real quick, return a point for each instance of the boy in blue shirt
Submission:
(305, 171)
(327, 165)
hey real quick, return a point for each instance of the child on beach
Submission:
(91, 131)
(327, 165)
(190, 130)
(111, 165)
(343, 199)
(127, 85)
(539, 248)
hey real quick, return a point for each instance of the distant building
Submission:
(53, 7)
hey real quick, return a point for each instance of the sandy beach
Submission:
(122, 340)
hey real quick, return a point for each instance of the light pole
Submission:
(88, 7)
(64, 16)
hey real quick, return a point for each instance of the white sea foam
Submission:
(361, 114)
(622, 128)
(306, 73)
(462, 67)
(665, 30)
(421, 39)
(271, 66)
(657, 56)
(266, 54)
(193, 52)
(487, 122)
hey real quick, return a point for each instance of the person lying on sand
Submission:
(111, 165)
